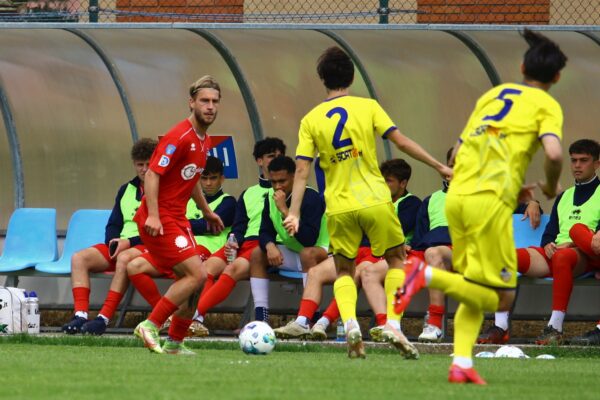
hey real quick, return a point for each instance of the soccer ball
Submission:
(510, 352)
(257, 337)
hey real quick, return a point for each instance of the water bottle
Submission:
(340, 332)
(233, 245)
(33, 314)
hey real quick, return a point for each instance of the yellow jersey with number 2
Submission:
(501, 136)
(342, 132)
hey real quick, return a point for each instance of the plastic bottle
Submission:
(233, 246)
(340, 332)
(33, 314)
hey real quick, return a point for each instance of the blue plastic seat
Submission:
(86, 228)
(30, 239)
(524, 235)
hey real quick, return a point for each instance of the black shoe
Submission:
(97, 326)
(591, 338)
(74, 325)
(550, 336)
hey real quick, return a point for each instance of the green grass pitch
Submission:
(104, 368)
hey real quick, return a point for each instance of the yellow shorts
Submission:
(380, 223)
(483, 248)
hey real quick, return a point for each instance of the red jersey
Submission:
(179, 159)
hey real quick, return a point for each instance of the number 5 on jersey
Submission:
(508, 103)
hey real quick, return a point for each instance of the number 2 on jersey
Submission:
(337, 141)
(508, 103)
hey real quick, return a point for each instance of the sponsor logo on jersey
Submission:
(189, 171)
(164, 161)
(170, 149)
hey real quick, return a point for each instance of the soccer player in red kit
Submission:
(172, 178)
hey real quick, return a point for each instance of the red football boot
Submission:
(414, 268)
(464, 375)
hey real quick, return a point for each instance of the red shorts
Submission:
(175, 245)
(365, 254)
(590, 266)
(168, 273)
(420, 254)
(112, 262)
(243, 252)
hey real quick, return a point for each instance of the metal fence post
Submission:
(383, 11)
(93, 10)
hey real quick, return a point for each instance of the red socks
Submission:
(582, 237)
(219, 292)
(523, 260)
(111, 303)
(332, 312)
(436, 314)
(307, 309)
(81, 298)
(563, 263)
(145, 285)
(380, 319)
(178, 328)
(163, 310)
(210, 281)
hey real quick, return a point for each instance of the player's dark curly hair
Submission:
(398, 168)
(268, 145)
(544, 59)
(282, 163)
(585, 146)
(142, 149)
(335, 68)
(213, 166)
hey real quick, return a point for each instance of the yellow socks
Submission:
(344, 290)
(468, 293)
(393, 280)
(467, 323)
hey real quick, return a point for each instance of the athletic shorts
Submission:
(112, 262)
(168, 273)
(365, 255)
(244, 252)
(420, 254)
(591, 265)
(380, 223)
(175, 245)
(482, 239)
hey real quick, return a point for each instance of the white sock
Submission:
(556, 320)
(199, 318)
(302, 321)
(501, 319)
(106, 320)
(324, 321)
(81, 314)
(260, 292)
(428, 275)
(196, 315)
(351, 323)
(304, 277)
(395, 324)
(463, 362)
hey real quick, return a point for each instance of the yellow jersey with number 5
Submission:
(501, 136)
(342, 132)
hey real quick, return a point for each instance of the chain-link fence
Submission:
(563, 12)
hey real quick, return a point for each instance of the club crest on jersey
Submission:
(505, 275)
(181, 242)
(170, 149)
(164, 161)
(188, 171)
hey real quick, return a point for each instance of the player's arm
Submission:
(552, 165)
(292, 221)
(413, 149)
(114, 226)
(267, 236)
(312, 213)
(213, 221)
(151, 185)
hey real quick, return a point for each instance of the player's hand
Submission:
(153, 226)
(229, 249)
(291, 224)
(533, 213)
(596, 243)
(567, 245)
(407, 248)
(550, 249)
(214, 222)
(122, 244)
(549, 192)
(274, 255)
(446, 172)
(526, 193)
(279, 197)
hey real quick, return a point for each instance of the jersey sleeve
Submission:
(306, 145)
(551, 121)
(382, 123)
(163, 155)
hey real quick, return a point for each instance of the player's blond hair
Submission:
(206, 82)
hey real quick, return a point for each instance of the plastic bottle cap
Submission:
(32, 294)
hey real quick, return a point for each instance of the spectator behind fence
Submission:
(121, 235)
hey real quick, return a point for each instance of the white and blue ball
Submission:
(257, 337)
